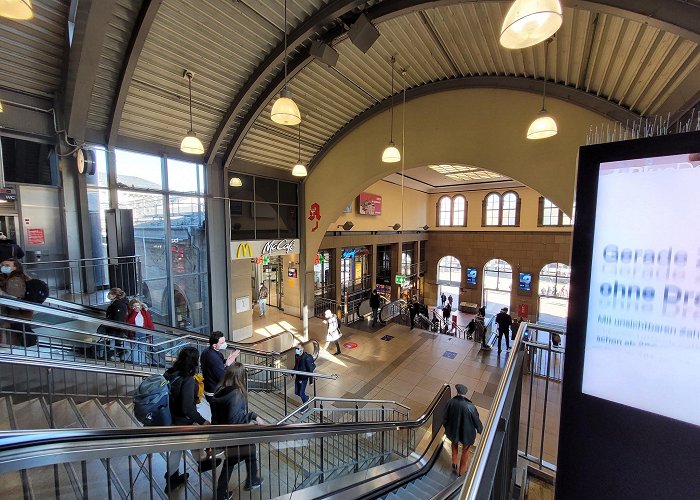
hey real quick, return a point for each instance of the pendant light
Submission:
(391, 154)
(235, 182)
(299, 169)
(16, 9)
(191, 143)
(284, 110)
(529, 22)
(544, 125)
(2, 108)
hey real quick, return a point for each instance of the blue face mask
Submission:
(6, 269)
(298, 351)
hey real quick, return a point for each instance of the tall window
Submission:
(458, 211)
(554, 294)
(444, 211)
(501, 210)
(498, 280)
(551, 215)
(449, 271)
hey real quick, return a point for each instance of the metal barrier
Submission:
(86, 281)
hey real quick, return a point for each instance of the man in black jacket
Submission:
(9, 249)
(303, 362)
(461, 423)
(503, 320)
(118, 310)
(374, 304)
(213, 364)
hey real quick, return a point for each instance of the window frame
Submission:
(560, 216)
(464, 211)
(440, 211)
(487, 214)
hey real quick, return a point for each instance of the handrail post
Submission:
(381, 459)
(357, 439)
(284, 383)
(321, 477)
(51, 389)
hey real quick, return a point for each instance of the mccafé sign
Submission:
(261, 248)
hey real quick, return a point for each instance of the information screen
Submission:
(642, 346)
(525, 282)
(471, 276)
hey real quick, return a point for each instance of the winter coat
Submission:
(213, 368)
(15, 286)
(229, 406)
(147, 322)
(183, 394)
(118, 311)
(503, 320)
(303, 363)
(10, 249)
(374, 301)
(462, 421)
(333, 329)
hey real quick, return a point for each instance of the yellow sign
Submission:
(244, 250)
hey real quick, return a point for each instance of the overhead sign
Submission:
(262, 248)
(351, 253)
(8, 194)
(400, 279)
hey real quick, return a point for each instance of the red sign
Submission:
(370, 204)
(522, 310)
(35, 236)
(350, 345)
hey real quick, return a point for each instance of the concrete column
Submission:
(218, 244)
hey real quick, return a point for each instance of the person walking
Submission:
(303, 362)
(461, 423)
(443, 299)
(446, 310)
(13, 283)
(183, 393)
(503, 320)
(118, 310)
(139, 316)
(413, 307)
(333, 331)
(214, 365)
(262, 299)
(480, 331)
(374, 303)
(230, 406)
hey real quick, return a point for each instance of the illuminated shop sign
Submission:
(263, 248)
(351, 253)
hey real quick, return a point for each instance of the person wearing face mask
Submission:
(118, 310)
(303, 362)
(139, 316)
(213, 364)
(13, 283)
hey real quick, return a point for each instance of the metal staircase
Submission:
(428, 486)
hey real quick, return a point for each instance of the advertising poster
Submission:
(642, 345)
(471, 276)
(369, 204)
(525, 282)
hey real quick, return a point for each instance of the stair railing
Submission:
(289, 456)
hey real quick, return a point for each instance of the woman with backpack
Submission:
(183, 394)
(230, 406)
(13, 283)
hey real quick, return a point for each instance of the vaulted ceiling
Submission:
(121, 82)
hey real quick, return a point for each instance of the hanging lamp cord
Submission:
(403, 155)
(189, 80)
(285, 44)
(391, 127)
(544, 80)
(299, 142)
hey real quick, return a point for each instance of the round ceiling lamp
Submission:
(299, 169)
(190, 143)
(544, 125)
(529, 22)
(235, 182)
(391, 154)
(284, 110)
(16, 9)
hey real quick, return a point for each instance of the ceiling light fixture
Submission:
(2, 108)
(544, 125)
(391, 154)
(191, 143)
(529, 22)
(299, 169)
(235, 182)
(284, 110)
(16, 9)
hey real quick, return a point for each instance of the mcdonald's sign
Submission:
(244, 250)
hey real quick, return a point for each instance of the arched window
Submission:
(444, 211)
(459, 211)
(551, 215)
(554, 294)
(449, 271)
(509, 209)
(498, 281)
(492, 210)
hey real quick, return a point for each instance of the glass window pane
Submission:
(458, 211)
(288, 193)
(243, 192)
(266, 190)
(509, 205)
(242, 220)
(192, 302)
(187, 235)
(288, 221)
(445, 208)
(156, 295)
(266, 221)
(100, 178)
(493, 205)
(138, 170)
(184, 176)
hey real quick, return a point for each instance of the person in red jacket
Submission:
(139, 316)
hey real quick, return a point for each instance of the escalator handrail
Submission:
(27, 449)
(308, 405)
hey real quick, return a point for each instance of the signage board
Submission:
(351, 253)
(399, 279)
(369, 204)
(262, 248)
(35, 236)
(471, 276)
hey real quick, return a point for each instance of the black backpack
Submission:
(36, 291)
(152, 401)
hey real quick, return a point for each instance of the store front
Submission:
(355, 276)
(384, 271)
(324, 275)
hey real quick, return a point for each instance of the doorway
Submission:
(449, 291)
(271, 274)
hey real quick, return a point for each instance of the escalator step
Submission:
(405, 494)
(432, 483)
(429, 487)
(418, 492)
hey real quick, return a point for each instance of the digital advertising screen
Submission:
(643, 325)
(471, 276)
(525, 282)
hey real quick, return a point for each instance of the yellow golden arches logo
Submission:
(244, 250)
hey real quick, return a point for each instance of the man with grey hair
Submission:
(461, 423)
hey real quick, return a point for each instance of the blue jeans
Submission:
(375, 316)
(137, 355)
(262, 303)
(300, 389)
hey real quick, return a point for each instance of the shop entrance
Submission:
(8, 226)
(271, 274)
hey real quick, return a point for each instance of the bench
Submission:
(468, 307)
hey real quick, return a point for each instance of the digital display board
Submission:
(642, 346)
(525, 282)
(471, 276)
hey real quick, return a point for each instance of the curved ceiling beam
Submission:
(676, 17)
(324, 18)
(147, 15)
(580, 98)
